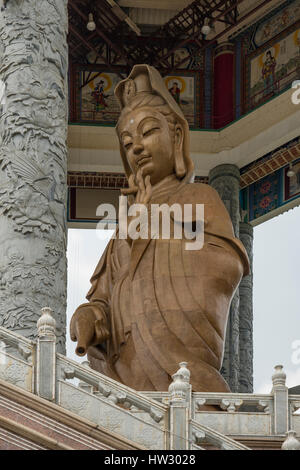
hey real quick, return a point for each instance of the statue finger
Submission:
(142, 188)
(138, 176)
(131, 181)
(131, 190)
(148, 189)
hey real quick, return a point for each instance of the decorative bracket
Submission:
(230, 405)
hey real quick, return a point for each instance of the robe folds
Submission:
(165, 304)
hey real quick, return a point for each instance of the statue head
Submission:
(152, 130)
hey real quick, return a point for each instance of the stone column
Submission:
(33, 164)
(246, 315)
(226, 180)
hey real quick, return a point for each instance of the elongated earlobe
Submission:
(180, 167)
(179, 164)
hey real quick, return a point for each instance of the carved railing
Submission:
(17, 360)
(111, 405)
(203, 434)
(176, 419)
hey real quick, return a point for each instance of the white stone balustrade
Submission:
(174, 419)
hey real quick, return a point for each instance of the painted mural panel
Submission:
(274, 68)
(182, 88)
(277, 23)
(97, 100)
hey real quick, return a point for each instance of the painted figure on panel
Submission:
(99, 97)
(175, 92)
(268, 73)
(154, 303)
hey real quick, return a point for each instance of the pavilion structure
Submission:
(232, 65)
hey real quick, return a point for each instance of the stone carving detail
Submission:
(33, 129)
(295, 405)
(264, 406)
(180, 386)
(231, 405)
(25, 352)
(279, 377)
(198, 437)
(15, 373)
(79, 402)
(199, 403)
(226, 180)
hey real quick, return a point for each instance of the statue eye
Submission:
(150, 131)
(127, 145)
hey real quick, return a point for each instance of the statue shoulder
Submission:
(193, 193)
(202, 194)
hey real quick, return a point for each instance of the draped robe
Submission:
(164, 304)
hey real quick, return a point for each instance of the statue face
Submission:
(148, 143)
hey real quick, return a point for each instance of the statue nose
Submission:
(138, 148)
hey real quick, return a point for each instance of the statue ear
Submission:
(180, 167)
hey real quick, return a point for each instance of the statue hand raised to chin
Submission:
(153, 303)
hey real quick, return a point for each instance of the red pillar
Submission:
(223, 112)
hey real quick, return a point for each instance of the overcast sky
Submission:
(276, 292)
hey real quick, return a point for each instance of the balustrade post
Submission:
(180, 408)
(46, 355)
(281, 401)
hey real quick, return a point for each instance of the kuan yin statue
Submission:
(153, 303)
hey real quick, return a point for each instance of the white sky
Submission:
(276, 292)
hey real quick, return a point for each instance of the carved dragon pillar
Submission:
(246, 315)
(33, 163)
(226, 180)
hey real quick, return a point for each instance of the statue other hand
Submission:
(88, 327)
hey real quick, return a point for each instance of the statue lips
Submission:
(142, 159)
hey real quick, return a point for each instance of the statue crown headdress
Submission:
(144, 78)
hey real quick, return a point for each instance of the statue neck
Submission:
(165, 188)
